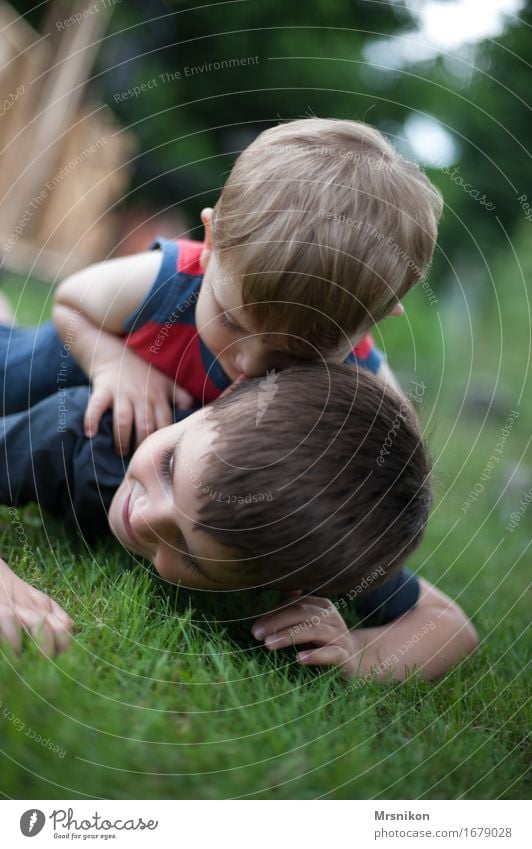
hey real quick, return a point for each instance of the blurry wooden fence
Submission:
(63, 160)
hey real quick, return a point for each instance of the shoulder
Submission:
(366, 355)
(183, 255)
(175, 288)
(391, 599)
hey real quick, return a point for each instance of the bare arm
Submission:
(108, 292)
(90, 309)
(432, 637)
(90, 306)
(91, 345)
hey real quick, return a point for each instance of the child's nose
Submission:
(250, 364)
(245, 364)
(152, 519)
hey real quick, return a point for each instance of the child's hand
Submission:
(25, 608)
(310, 620)
(137, 393)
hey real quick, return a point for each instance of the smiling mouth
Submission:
(126, 522)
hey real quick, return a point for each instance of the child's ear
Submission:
(206, 220)
(398, 309)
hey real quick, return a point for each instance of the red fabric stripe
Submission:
(175, 350)
(189, 256)
(363, 348)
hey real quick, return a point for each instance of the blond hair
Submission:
(327, 227)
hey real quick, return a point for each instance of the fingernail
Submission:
(303, 655)
(271, 640)
(258, 632)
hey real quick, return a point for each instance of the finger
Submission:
(319, 601)
(163, 415)
(293, 614)
(276, 620)
(297, 635)
(99, 402)
(43, 635)
(36, 624)
(62, 616)
(324, 656)
(183, 400)
(122, 425)
(144, 421)
(10, 631)
(61, 633)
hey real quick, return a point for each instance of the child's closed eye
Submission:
(189, 563)
(228, 324)
(167, 462)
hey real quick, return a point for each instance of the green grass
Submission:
(165, 695)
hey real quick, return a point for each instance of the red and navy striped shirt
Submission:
(162, 330)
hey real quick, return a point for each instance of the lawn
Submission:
(166, 695)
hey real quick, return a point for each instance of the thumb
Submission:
(182, 399)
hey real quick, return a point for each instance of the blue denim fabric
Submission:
(34, 363)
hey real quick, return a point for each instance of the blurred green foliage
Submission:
(193, 117)
(311, 61)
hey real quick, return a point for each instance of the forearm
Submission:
(90, 345)
(430, 639)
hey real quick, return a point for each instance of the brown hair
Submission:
(302, 488)
(327, 227)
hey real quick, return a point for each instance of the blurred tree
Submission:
(212, 103)
(197, 103)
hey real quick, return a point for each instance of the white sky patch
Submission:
(449, 25)
(429, 142)
(443, 27)
(452, 29)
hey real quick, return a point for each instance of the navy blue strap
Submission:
(389, 601)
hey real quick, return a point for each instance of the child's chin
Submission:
(111, 515)
(115, 525)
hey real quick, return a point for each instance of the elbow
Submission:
(62, 292)
(460, 639)
(454, 640)
(60, 314)
(465, 632)
(72, 291)
(470, 638)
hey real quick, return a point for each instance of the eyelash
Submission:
(229, 325)
(165, 464)
(165, 470)
(189, 563)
